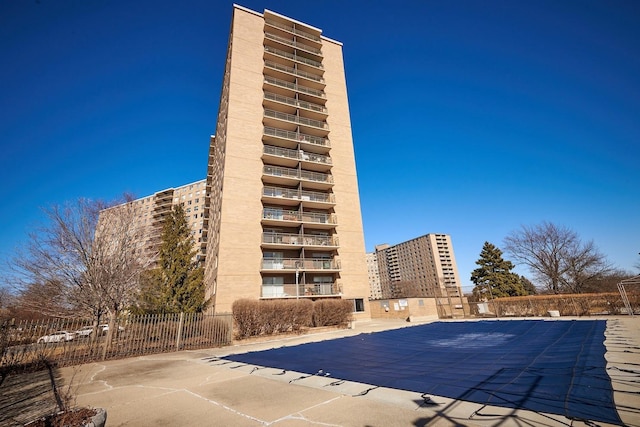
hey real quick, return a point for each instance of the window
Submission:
(358, 305)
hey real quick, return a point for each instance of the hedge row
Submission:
(566, 304)
(254, 318)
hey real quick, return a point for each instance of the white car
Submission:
(85, 331)
(58, 336)
(105, 328)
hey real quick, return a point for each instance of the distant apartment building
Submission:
(424, 266)
(284, 216)
(375, 287)
(151, 211)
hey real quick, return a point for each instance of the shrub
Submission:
(254, 318)
(335, 312)
(246, 316)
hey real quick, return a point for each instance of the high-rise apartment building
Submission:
(151, 211)
(284, 216)
(424, 266)
(375, 287)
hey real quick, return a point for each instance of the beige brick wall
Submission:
(240, 230)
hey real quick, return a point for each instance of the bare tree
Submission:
(556, 257)
(85, 261)
(6, 298)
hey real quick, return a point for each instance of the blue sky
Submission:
(470, 118)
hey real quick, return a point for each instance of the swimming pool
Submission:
(547, 366)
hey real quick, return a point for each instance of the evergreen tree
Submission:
(177, 285)
(493, 278)
(528, 286)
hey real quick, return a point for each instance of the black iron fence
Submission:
(75, 341)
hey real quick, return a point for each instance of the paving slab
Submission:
(199, 388)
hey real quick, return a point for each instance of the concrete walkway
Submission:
(195, 388)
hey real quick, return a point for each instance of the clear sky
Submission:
(470, 118)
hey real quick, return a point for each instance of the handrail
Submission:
(295, 173)
(296, 87)
(298, 239)
(293, 43)
(294, 71)
(296, 154)
(291, 215)
(293, 57)
(295, 119)
(300, 264)
(296, 136)
(288, 290)
(293, 30)
(295, 102)
(304, 195)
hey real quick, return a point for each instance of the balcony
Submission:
(279, 217)
(297, 103)
(291, 118)
(286, 241)
(292, 30)
(295, 87)
(294, 197)
(292, 139)
(289, 176)
(293, 71)
(293, 57)
(300, 264)
(319, 219)
(288, 290)
(296, 155)
(294, 44)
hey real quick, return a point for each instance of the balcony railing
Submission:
(299, 264)
(295, 119)
(288, 290)
(290, 70)
(293, 194)
(280, 171)
(291, 215)
(293, 43)
(296, 136)
(298, 239)
(293, 57)
(298, 174)
(285, 193)
(318, 218)
(296, 154)
(292, 30)
(295, 102)
(295, 87)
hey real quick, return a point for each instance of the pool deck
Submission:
(195, 388)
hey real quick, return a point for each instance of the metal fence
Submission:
(75, 341)
(564, 304)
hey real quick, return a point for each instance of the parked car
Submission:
(105, 328)
(85, 331)
(58, 336)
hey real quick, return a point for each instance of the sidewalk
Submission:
(195, 388)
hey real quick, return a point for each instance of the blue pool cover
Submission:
(555, 367)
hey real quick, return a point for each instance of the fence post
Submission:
(180, 326)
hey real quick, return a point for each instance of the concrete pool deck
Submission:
(193, 388)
